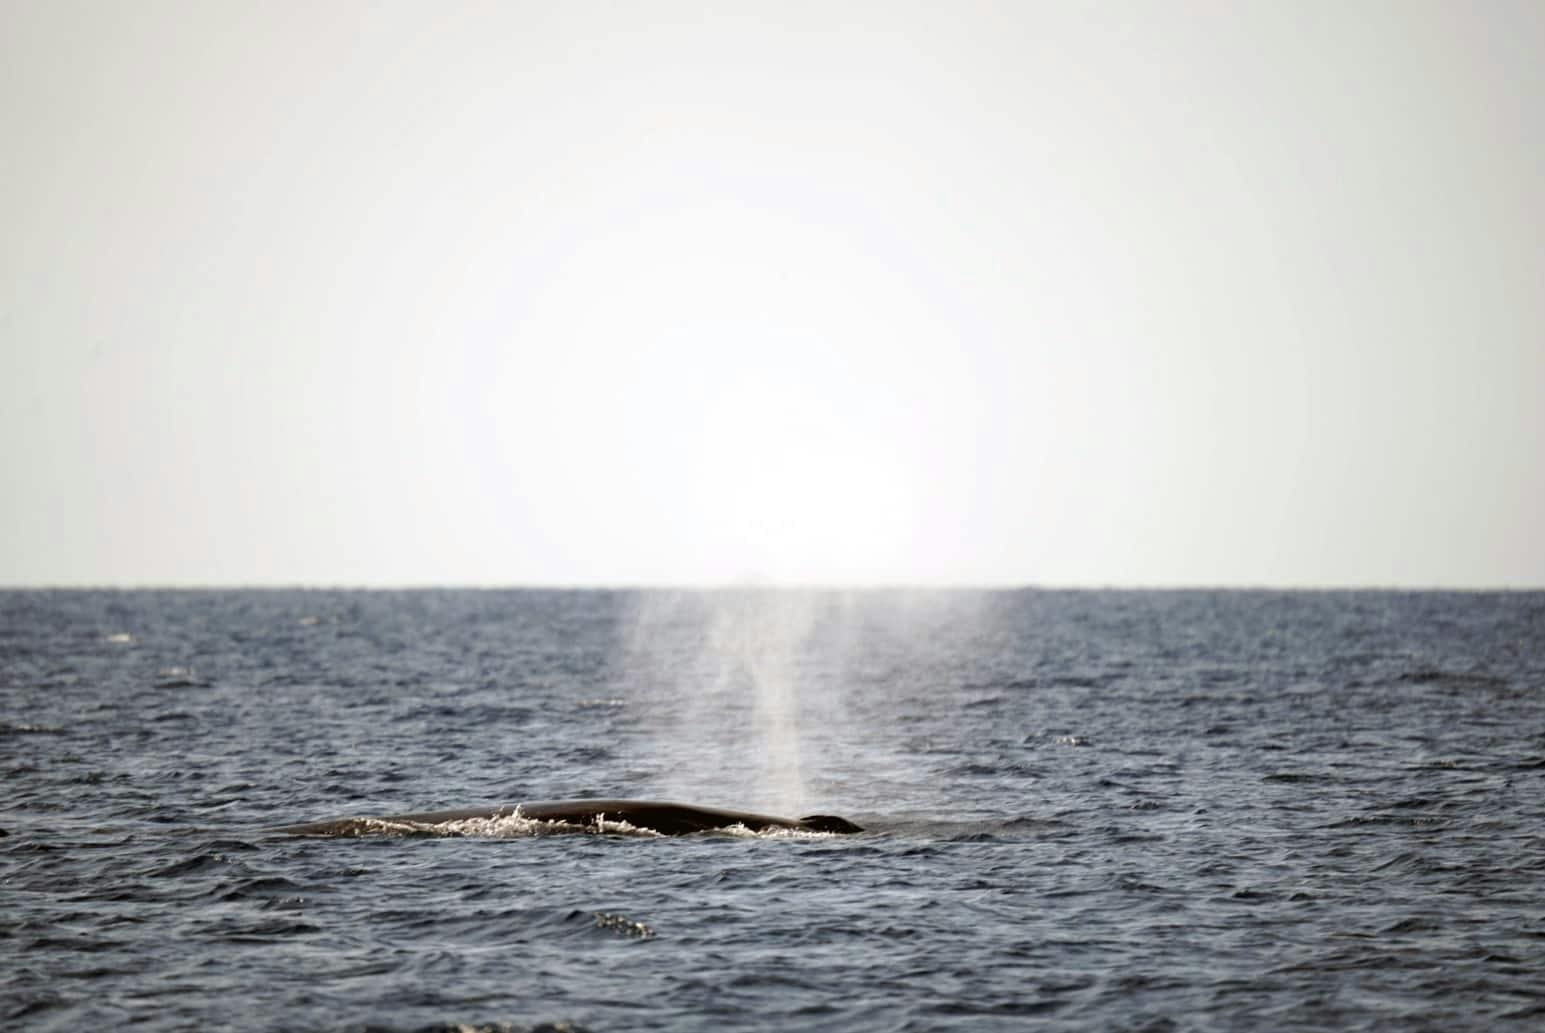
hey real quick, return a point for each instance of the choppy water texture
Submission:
(1090, 810)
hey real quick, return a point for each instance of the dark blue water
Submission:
(1087, 810)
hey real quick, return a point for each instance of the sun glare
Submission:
(792, 486)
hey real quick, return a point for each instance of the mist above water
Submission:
(726, 688)
(764, 697)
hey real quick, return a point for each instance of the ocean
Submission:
(1090, 810)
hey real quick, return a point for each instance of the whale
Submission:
(663, 817)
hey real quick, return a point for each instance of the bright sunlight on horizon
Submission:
(1129, 294)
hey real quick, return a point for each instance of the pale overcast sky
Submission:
(531, 293)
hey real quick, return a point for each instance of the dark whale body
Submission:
(668, 819)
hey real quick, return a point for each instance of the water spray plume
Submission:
(724, 673)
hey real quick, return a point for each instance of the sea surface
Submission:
(1091, 810)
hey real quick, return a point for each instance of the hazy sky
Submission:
(1050, 293)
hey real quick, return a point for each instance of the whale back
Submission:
(828, 823)
(664, 817)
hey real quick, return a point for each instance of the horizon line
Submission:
(754, 586)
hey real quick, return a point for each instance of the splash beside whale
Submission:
(665, 818)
